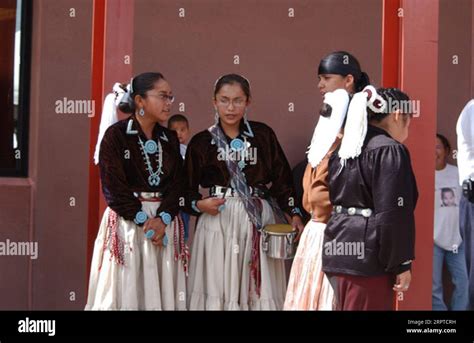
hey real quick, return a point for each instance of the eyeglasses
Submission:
(164, 97)
(236, 102)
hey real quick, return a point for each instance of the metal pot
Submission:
(278, 241)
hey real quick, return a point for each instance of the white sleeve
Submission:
(465, 134)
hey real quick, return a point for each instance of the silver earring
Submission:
(216, 118)
(141, 112)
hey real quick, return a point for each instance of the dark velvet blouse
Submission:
(123, 170)
(380, 178)
(267, 165)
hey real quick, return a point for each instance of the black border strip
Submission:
(21, 167)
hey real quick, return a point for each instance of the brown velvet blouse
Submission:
(123, 170)
(316, 189)
(270, 166)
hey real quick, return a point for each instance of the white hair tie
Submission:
(355, 129)
(109, 113)
(328, 128)
(374, 101)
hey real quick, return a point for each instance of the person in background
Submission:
(298, 174)
(448, 246)
(180, 124)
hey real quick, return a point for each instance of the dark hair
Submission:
(141, 84)
(343, 63)
(447, 190)
(176, 118)
(445, 141)
(231, 79)
(389, 95)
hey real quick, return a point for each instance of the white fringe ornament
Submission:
(327, 129)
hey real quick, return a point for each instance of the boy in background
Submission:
(180, 124)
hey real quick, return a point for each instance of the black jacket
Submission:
(380, 178)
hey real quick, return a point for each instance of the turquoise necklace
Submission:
(151, 147)
(241, 147)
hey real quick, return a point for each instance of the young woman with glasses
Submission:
(236, 159)
(140, 258)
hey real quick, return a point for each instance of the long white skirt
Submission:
(150, 277)
(219, 275)
(309, 288)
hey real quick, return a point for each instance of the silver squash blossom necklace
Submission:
(150, 147)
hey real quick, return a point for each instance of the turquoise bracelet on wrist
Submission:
(165, 217)
(140, 218)
(194, 206)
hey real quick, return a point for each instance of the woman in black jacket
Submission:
(370, 239)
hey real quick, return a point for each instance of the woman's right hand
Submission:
(210, 205)
(403, 282)
(157, 225)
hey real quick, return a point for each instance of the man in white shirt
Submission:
(465, 134)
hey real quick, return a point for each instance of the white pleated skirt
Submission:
(128, 272)
(219, 276)
(308, 287)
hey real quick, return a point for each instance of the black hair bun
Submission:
(127, 105)
(326, 110)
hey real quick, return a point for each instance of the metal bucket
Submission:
(278, 241)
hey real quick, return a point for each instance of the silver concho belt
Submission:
(353, 211)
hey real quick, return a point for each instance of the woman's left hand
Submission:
(297, 223)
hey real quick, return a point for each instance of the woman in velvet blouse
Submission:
(236, 159)
(140, 258)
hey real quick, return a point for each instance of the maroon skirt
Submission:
(363, 293)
